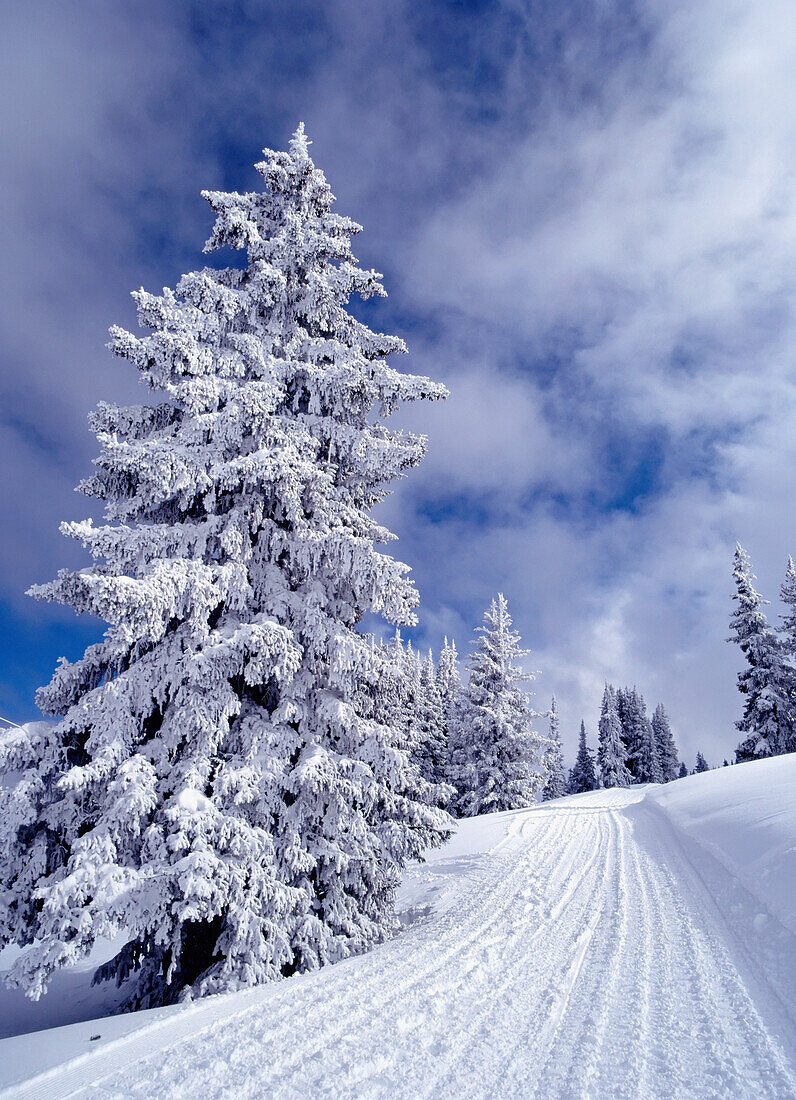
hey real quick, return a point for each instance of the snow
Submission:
(193, 801)
(745, 817)
(629, 942)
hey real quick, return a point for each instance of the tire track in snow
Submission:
(520, 957)
(573, 1045)
(473, 967)
(540, 1009)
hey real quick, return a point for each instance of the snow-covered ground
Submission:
(620, 943)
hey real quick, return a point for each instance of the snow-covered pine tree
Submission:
(386, 698)
(583, 777)
(496, 753)
(788, 648)
(449, 681)
(701, 764)
(556, 781)
(211, 789)
(768, 713)
(648, 759)
(412, 697)
(611, 747)
(665, 747)
(623, 713)
(788, 597)
(683, 772)
(642, 761)
(431, 753)
(449, 688)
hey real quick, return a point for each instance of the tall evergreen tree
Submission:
(624, 712)
(701, 764)
(611, 748)
(412, 698)
(788, 596)
(642, 761)
(665, 747)
(583, 777)
(496, 753)
(449, 688)
(213, 788)
(431, 752)
(768, 717)
(555, 781)
(387, 696)
(788, 650)
(448, 677)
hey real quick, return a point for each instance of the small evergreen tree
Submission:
(496, 753)
(217, 787)
(555, 782)
(667, 759)
(611, 747)
(583, 776)
(701, 764)
(768, 717)
(683, 772)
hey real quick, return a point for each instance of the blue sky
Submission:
(585, 217)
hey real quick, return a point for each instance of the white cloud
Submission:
(604, 250)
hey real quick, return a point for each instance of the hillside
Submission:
(620, 943)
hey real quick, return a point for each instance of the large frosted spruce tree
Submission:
(496, 755)
(212, 788)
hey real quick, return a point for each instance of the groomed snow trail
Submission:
(582, 956)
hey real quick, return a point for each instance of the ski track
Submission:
(581, 957)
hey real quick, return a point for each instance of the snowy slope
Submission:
(746, 818)
(594, 946)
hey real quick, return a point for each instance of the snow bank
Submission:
(745, 817)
